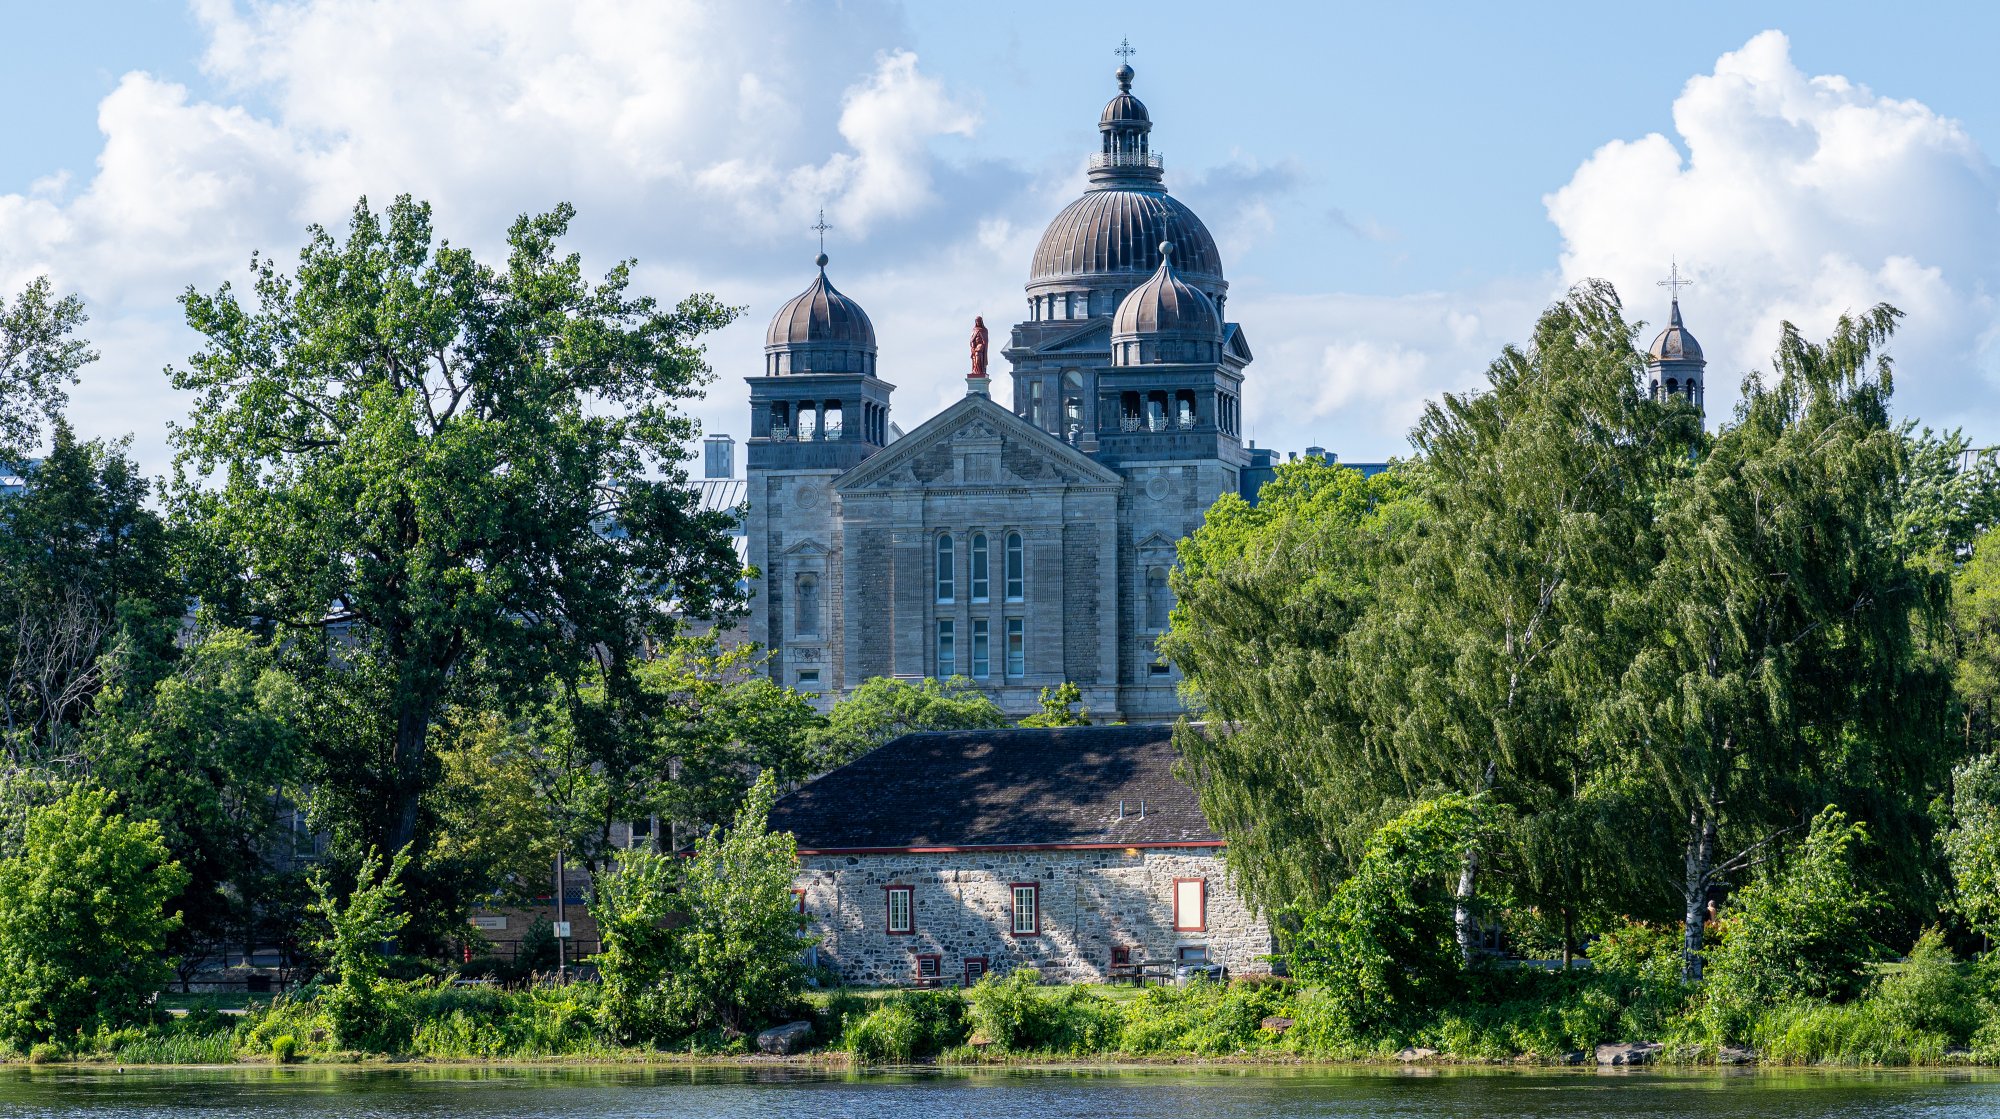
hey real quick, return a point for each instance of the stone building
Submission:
(942, 856)
(1021, 545)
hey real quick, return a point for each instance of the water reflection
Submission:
(1261, 1092)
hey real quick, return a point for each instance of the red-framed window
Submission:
(1190, 905)
(930, 965)
(975, 969)
(1027, 908)
(799, 900)
(1121, 955)
(900, 904)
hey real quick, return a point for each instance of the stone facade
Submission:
(961, 909)
(1122, 430)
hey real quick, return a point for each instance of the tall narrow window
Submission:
(1035, 402)
(808, 605)
(1190, 905)
(1159, 601)
(944, 566)
(947, 651)
(1027, 909)
(901, 919)
(1017, 580)
(1017, 652)
(979, 582)
(982, 665)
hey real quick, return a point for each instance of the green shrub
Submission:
(1383, 949)
(1205, 1018)
(1857, 1033)
(1641, 968)
(351, 943)
(284, 1049)
(1014, 1013)
(83, 920)
(44, 1052)
(907, 1026)
(1798, 935)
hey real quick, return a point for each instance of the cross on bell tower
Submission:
(820, 227)
(1674, 362)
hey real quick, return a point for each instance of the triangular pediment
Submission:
(1091, 334)
(806, 548)
(1235, 344)
(1006, 450)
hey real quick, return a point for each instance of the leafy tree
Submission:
(1799, 933)
(84, 567)
(1947, 496)
(1975, 640)
(1972, 842)
(351, 946)
(39, 356)
(1384, 948)
(712, 941)
(83, 920)
(723, 723)
(493, 826)
(1783, 670)
(206, 754)
(1062, 706)
(478, 467)
(1496, 636)
(1266, 598)
(884, 708)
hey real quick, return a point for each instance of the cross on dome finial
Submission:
(1674, 283)
(820, 227)
(1125, 52)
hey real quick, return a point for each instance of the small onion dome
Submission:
(1675, 343)
(820, 330)
(1124, 108)
(1165, 319)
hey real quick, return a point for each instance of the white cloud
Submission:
(1797, 197)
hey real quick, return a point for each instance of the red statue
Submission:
(978, 346)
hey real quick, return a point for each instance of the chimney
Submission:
(718, 455)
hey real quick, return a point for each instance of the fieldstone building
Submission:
(942, 856)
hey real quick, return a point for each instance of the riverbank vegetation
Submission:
(1586, 724)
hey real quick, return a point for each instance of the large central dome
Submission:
(1110, 238)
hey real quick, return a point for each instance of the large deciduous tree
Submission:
(1491, 644)
(85, 567)
(1781, 672)
(443, 477)
(39, 357)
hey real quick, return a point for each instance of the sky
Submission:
(1397, 189)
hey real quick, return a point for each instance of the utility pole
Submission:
(562, 926)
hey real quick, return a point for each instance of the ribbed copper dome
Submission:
(820, 330)
(1675, 343)
(1166, 304)
(1124, 108)
(1112, 233)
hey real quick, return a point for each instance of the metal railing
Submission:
(1125, 159)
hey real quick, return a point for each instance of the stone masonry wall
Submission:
(1091, 901)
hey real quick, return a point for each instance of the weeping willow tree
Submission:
(1445, 628)
(1785, 669)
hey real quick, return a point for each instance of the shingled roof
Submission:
(1018, 787)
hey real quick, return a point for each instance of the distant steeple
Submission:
(1674, 363)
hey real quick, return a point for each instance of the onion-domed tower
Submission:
(1100, 250)
(1674, 363)
(818, 404)
(1127, 354)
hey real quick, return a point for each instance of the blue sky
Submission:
(1397, 188)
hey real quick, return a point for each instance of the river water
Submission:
(1231, 1093)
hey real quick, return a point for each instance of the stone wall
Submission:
(1091, 902)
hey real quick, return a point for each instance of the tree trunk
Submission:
(1461, 909)
(412, 733)
(1700, 862)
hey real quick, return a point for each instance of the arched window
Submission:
(1017, 580)
(1159, 601)
(979, 591)
(808, 605)
(944, 565)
